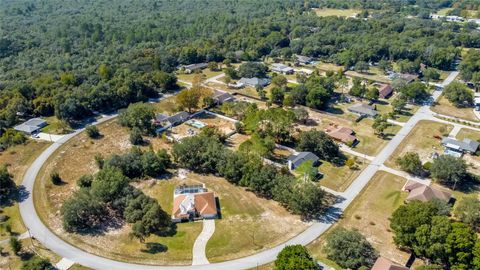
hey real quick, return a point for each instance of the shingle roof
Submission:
(424, 193)
(343, 134)
(179, 117)
(465, 145)
(363, 109)
(31, 125)
(221, 97)
(385, 90)
(301, 157)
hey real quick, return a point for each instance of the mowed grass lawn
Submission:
(18, 158)
(424, 139)
(339, 178)
(369, 213)
(374, 74)
(404, 116)
(443, 106)
(324, 12)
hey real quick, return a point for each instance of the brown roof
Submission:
(385, 264)
(385, 90)
(425, 193)
(205, 203)
(343, 134)
(200, 203)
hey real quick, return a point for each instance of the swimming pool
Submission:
(195, 123)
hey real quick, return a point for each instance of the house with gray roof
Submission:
(457, 148)
(253, 82)
(296, 160)
(363, 110)
(220, 97)
(178, 118)
(304, 60)
(31, 126)
(194, 67)
(282, 69)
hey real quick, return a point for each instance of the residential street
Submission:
(65, 250)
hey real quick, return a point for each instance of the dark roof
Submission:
(178, 118)
(301, 157)
(465, 145)
(363, 109)
(385, 90)
(221, 97)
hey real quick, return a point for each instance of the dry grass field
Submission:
(369, 213)
(424, 139)
(443, 106)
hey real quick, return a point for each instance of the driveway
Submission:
(199, 255)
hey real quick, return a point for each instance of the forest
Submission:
(72, 59)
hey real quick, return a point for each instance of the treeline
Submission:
(74, 58)
(205, 153)
(107, 197)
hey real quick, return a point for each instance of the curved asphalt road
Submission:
(62, 248)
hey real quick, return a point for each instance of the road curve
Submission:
(64, 249)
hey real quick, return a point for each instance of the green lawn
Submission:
(339, 178)
(56, 126)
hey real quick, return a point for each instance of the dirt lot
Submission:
(369, 143)
(424, 139)
(369, 213)
(443, 106)
(235, 140)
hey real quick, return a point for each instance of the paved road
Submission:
(53, 242)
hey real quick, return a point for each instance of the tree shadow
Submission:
(17, 195)
(26, 255)
(154, 248)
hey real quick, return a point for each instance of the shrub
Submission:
(85, 181)
(16, 245)
(136, 136)
(55, 178)
(37, 263)
(92, 132)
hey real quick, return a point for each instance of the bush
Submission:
(92, 132)
(37, 263)
(15, 245)
(55, 178)
(85, 181)
(136, 136)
